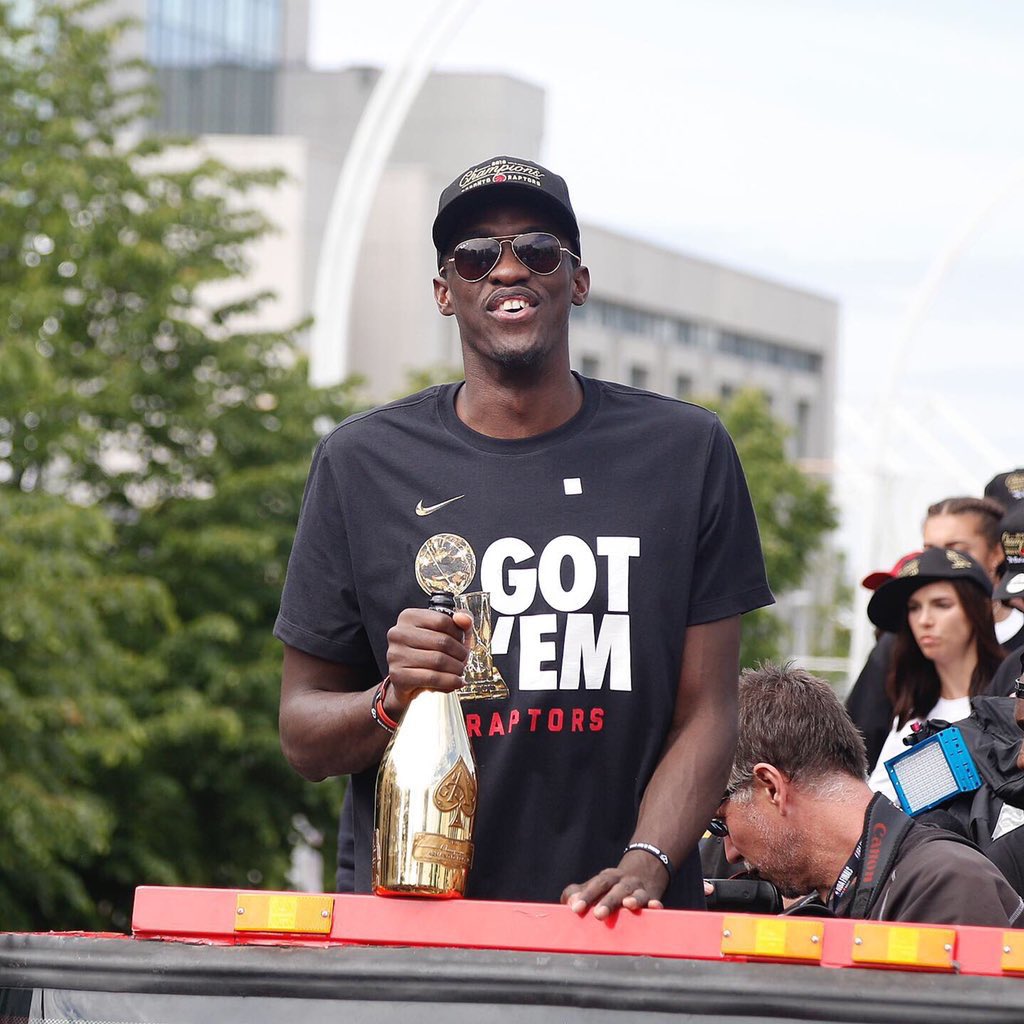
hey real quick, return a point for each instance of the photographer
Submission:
(798, 810)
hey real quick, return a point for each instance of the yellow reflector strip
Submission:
(283, 912)
(1013, 951)
(775, 937)
(903, 944)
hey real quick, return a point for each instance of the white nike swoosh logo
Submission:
(425, 510)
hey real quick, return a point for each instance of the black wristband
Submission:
(655, 852)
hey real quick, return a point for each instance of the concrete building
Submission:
(236, 75)
(659, 319)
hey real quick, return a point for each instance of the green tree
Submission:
(152, 453)
(77, 643)
(794, 512)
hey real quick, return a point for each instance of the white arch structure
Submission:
(374, 138)
(957, 243)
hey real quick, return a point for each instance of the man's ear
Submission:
(443, 296)
(773, 784)
(580, 285)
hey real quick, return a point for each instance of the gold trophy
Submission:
(426, 784)
(483, 680)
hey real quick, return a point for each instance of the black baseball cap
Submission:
(503, 176)
(887, 608)
(1011, 536)
(1006, 488)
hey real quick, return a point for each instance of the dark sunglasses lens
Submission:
(475, 257)
(538, 251)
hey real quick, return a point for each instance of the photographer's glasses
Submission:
(538, 251)
(717, 826)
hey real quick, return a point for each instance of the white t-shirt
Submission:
(946, 709)
(1009, 627)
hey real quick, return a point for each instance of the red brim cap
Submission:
(874, 580)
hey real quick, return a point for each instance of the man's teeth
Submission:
(513, 305)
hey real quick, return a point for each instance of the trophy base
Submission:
(490, 688)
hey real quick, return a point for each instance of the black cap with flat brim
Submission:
(1007, 488)
(1011, 537)
(887, 608)
(503, 177)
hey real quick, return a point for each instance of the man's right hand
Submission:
(325, 721)
(426, 651)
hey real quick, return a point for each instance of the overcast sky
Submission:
(837, 146)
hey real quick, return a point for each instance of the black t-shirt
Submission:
(599, 542)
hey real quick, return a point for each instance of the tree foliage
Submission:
(794, 512)
(153, 447)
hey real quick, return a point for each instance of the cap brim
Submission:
(887, 608)
(1010, 586)
(874, 580)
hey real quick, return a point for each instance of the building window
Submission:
(803, 429)
(626, 320)
(214, 64)
(196, 33)
(675, 330)
(684, 386)
(590, 366)
(638, 376)
(760, 351)
(726, 392)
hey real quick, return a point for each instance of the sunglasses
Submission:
(538, 251)
(717, 826)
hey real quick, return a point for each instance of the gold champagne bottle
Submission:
(426, 798)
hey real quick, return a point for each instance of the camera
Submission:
(747, 895)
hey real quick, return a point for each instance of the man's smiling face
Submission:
(512, 316)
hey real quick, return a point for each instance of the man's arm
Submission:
(688, 783)
(324, 718)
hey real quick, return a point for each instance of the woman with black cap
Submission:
(940, 608)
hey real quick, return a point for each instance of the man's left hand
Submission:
(631, 885)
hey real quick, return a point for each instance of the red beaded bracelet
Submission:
(377, 712)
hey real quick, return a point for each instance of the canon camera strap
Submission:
(884, 828)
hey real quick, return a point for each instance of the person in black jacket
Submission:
(1010, 591)
(799, 812)
(868, 703)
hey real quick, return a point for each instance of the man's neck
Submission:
(518, 407)
(840, 824)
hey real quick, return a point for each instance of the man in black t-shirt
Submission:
(612, 529)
